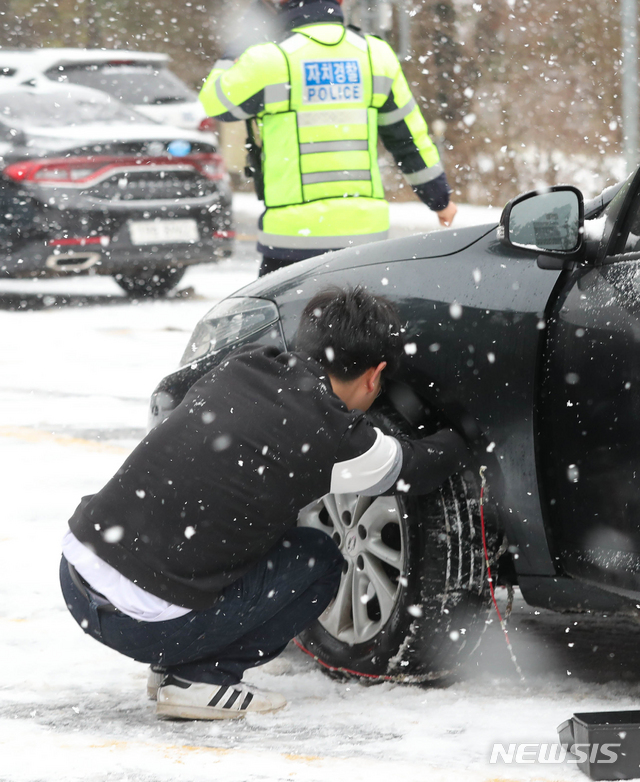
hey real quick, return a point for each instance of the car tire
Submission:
(150, 283)
(414, 597)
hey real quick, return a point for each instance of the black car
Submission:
(89, 185)
(525, 336)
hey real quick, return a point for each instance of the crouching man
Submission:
(189, 559)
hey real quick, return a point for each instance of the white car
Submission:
(140, 79)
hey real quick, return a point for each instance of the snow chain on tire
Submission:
(442, 601)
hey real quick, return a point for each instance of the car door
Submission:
(589, 414)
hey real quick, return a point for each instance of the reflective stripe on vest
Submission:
(275, 93)
(335, 176)
(335, 117)
(232, 108)
(391, 117)
(426, 175)
(382, 84)
(332, 146)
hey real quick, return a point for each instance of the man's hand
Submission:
(446, 215)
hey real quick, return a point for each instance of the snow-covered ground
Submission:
(78, 364)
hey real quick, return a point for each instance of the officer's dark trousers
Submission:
(272, 264)
(250, 624)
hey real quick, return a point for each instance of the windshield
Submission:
(136, 83)
(58, 110)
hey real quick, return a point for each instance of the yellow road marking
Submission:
(167, 749)
(29, 435)
(175, 751)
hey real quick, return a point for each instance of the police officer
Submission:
(322, 96)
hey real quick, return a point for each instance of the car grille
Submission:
(146, 185)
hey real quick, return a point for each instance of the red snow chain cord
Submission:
(503, 624)
(402, 678)
(320, 662)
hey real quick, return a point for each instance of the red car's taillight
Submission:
(73, 170)
(83, 170)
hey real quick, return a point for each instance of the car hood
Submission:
(431, 245)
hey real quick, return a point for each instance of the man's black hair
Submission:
(350, 330)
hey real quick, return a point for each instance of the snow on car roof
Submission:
(146, 129)
(41, 60)
(46, 87)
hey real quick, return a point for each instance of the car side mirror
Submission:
(550, 222)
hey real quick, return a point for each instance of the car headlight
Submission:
(232, 320)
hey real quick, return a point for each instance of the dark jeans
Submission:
(250, 624)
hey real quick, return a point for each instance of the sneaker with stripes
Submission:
(187, 700)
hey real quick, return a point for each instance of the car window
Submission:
(56, 110)
(135, 83)
(629, 239)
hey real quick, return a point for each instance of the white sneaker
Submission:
(187, 700)
(154, 680)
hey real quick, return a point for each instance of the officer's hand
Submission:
(446, 215)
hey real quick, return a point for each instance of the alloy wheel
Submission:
(368, 532)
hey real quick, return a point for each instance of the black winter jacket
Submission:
(207, 493)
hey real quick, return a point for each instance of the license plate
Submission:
(163, 231)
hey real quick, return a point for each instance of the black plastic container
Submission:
(606, 743)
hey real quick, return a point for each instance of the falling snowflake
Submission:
(113, 534)
(221, 443)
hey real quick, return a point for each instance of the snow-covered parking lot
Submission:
(79, 362)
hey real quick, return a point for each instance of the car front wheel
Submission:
(413, 599)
